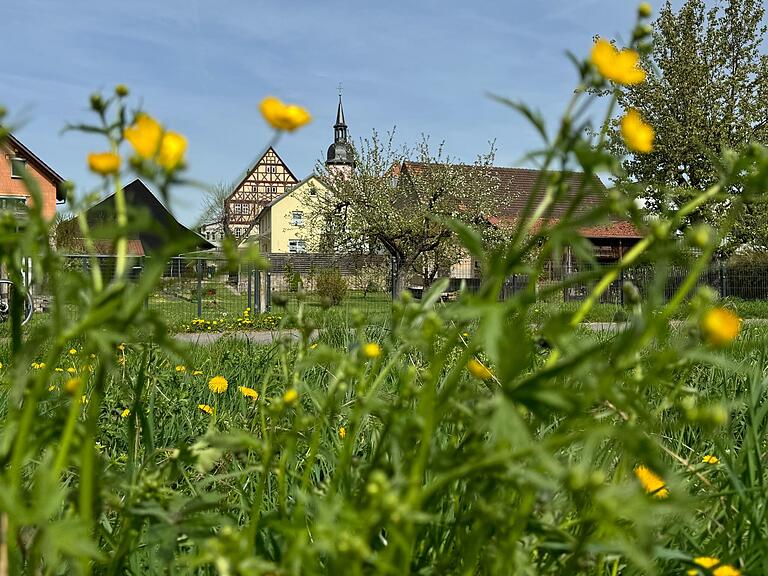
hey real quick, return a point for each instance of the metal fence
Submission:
(209, 291)
(212, 289)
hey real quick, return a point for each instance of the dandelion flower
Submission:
(290, 396)
(104, 163)
(58, 369)
(121, 346)
(125, 413)
(712, 566)
(72, 351)
(637, 135)
(205, 408)
(248, 392)
(478, 370)
(371, 350)
(283, 116)
(720, 326)
(619, 66)
(71, 370)
(710, 459)
(218, 384)
(651, 483)
(181, 368)
(51, 388)
(342, 432)
(197, 373)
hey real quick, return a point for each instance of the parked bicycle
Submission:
(7, 299)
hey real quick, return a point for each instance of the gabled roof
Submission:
(255, 165)
(17, 147)
(516, 185)
(138, 196)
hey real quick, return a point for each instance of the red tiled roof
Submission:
(516, 185)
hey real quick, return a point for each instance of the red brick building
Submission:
(17, 158)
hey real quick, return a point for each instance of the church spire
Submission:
(340, 153)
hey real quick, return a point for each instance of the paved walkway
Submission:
(203, 338)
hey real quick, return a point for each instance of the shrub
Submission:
(331, 286)
(295, 282)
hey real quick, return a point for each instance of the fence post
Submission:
(143, 262)
(621, 286)
(393, 277)
(268, 293)
(257, 291)
(250, 287)
(199, 288)
(723, 289)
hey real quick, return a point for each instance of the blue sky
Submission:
(201, 67)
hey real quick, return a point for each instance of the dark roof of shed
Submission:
(137, 197)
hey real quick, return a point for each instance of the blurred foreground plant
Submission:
(460, 439)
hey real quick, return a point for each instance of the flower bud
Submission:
(644, 10)
(700, 236)
(121, 90)
(97, 102)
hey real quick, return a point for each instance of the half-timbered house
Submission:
(266, 180)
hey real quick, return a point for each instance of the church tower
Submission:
(341, 155)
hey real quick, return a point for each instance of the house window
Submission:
(18, 165)
(238, 207)
(16, 203)
(296, 246)
(297, 218)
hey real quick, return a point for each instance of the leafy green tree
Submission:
(399, 199)
(707, 90)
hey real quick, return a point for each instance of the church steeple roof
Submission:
(340, 153)
(340, 115)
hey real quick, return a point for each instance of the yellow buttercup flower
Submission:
(651, 483)
(709, 563)
(618, 66)
(125, 413)
(144, 136)
(218, 384)
(371, 350)
(283, 116)
(205, 408)
(637, 135)
(181, 368)
(72, 385)
(478, 370)
(172, 149)
(290, 396)
(104, 163)
(710, 459)
(342, 432)
(720, 326)
(248, 392)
